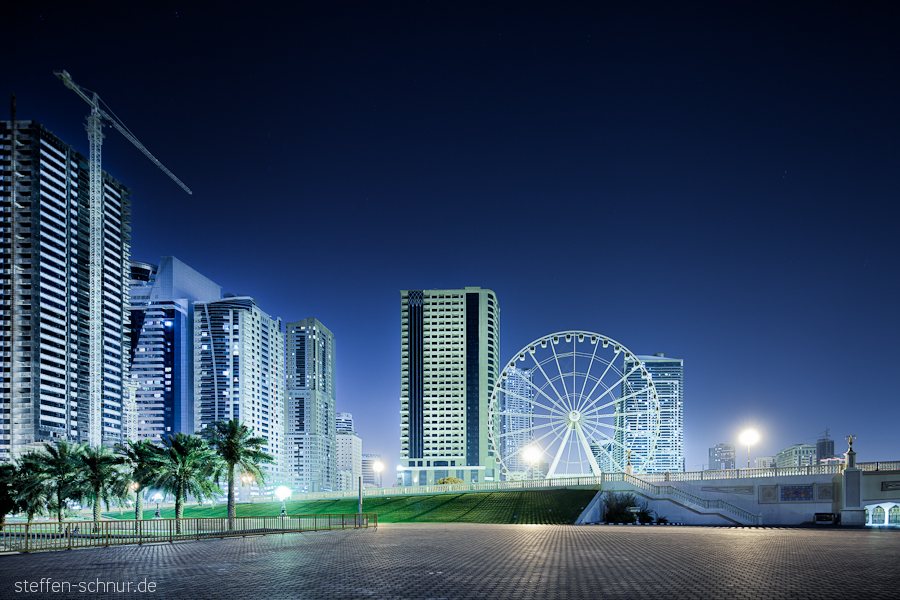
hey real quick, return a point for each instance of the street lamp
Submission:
(749, 437)
(378, 466)
(282, 492)
(158, 497)
(531, 456)
(246, 480)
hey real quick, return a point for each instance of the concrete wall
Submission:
(789, 500)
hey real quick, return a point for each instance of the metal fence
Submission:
(32, 537)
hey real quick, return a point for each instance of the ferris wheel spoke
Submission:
(529, 429)
(549, 381)
(602, 376)
(562, 378)
(552, 431)
(587, 373)
(619, 382)
(560, 410)
(595, 469)
(562, 446)
(601, 407)
(635, 394)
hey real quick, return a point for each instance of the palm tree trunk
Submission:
(2, 521)
(180, 498)
(231, 508)
(97, 506)
(138, 504)
(59, 510)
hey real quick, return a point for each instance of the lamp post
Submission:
(246, 480)
(158, 497)
(135, 486)
(282, 492)
(531, 456)
(378, 467)
(749, 437)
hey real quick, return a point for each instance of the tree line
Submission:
(45, 481)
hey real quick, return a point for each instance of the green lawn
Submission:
(532, 507)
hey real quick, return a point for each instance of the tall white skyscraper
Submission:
(45, 290)
(161, 328)
(448, 366)
(239, 371)
(310, 430)
(348, 460)
(668, 377)
(516, 430)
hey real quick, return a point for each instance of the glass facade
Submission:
(668, 377)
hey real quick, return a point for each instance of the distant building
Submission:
(449, 361)
(310, 427)
(348, 461)
(798, 455)
(721, 456)
(343, 423)
(239, 371)
(371, 475)
(161, 334)
(668, 377)
(764, 462)
(824, 448)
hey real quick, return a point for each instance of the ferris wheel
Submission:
(573, 403)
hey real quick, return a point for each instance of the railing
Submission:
(32, 537)
(561, 482)
(688, 498)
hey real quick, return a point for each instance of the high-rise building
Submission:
(798, 455)
(343, 423)
(161, 329)
(239, 371)
(602, 451)
(449, 361)
(52, 386)
(824, 448)
(371, 474)
(517, 426)
(348, 461)
(668, 377)
(721, 457)
(310, 422)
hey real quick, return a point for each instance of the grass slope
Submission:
(559, 507)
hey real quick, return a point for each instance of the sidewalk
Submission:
(483, 561)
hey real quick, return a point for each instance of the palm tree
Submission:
(9, 497)
(56, 470)
(100, 477)
(138, 457)
(30, 486)
(239, 450)
(185, 464)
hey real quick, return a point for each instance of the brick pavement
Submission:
(489, 561)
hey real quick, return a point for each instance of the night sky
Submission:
(716, 181)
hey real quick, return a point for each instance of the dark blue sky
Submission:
(714, 181)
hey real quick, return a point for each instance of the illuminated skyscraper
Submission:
(45, 293)
(161, 332)
(239, 371)
(448, 366)
(310, 430)
(668, 377)
(517, 427)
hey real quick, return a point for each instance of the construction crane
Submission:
(94, 129)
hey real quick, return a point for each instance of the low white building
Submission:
(349, 461)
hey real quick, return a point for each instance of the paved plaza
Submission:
(482, 561)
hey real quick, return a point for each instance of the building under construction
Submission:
(45, 288)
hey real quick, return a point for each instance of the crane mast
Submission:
(94, 129)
